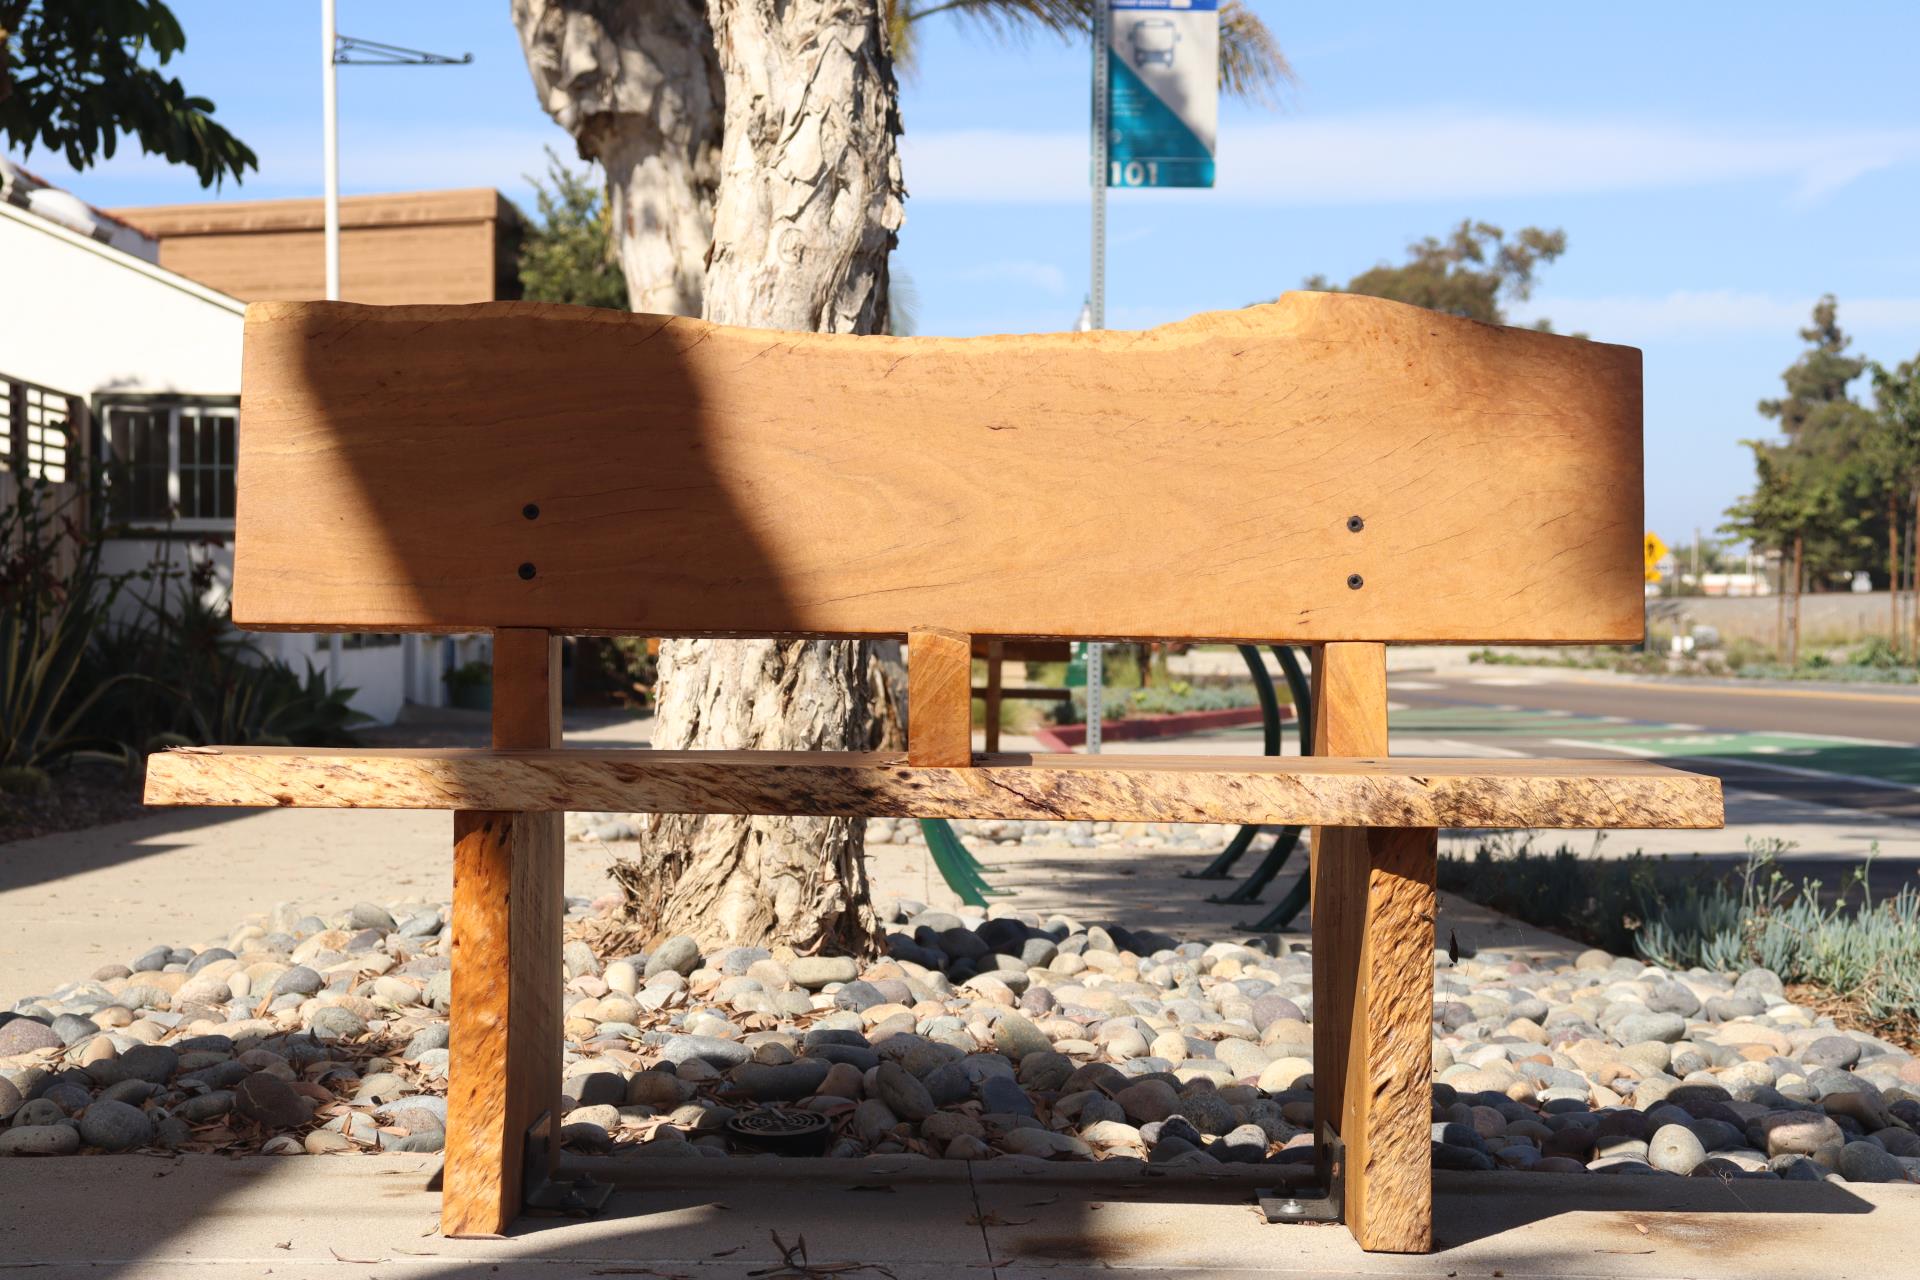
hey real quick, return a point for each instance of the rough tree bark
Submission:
(804, 211)
(637, 83)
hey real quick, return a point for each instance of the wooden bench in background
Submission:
(539, 471)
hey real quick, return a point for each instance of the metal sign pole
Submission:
(330, 203)
(1097, 294)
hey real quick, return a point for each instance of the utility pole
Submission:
(336, 49)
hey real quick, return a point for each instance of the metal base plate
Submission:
(1319, 1195)
(557, 1191)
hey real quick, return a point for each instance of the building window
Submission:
(36, 430)
(170, 462)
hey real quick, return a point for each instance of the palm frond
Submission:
(1009, 17)
(1252, 66)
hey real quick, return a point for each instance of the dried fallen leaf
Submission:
(341, 1257)
(794, 1264)
(1052, 1199)
(721, 1253)
(992, 1218)
(283, 1244)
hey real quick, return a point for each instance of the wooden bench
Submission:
(538, 471)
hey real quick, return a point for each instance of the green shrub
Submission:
(1869, 952)
(1676, 914)
(54, 600)
(1601, 901)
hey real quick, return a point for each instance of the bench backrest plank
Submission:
(523, 465)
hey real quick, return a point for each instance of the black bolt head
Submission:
(1354, 581)
(527, 571)
(1355, 524)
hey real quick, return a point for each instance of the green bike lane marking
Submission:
(1861, 760)
(1789, 752)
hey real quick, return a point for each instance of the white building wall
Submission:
(85, 318)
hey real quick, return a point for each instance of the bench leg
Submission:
(1373, 912)
(505, 1041)
(509, 905)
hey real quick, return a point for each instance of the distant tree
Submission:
(1471, 273)
(72, 78)
(569, 256)
(1817, 382)
(1896, 394)
(1821, 492)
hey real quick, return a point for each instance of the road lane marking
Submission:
(1836, 695)
(1747, 762)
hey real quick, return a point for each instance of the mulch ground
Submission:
(79, 799)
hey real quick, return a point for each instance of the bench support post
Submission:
(939, 698)
(508, 906)
(1373, 910)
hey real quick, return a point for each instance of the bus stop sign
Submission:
(1163, 64)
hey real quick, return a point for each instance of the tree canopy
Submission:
(568, 257)
(1839, 471)
(72, 78)
(1471, 273)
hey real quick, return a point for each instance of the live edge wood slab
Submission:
(582, 470)
(1319, 791)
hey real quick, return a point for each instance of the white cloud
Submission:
(1438, 155)
(1712, 313)
(1044, 276)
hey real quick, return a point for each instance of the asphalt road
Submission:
(1848, 746)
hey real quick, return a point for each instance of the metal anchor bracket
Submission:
(1315, 1196)
(550, 1189)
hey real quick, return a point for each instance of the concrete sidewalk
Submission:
(209, 1218)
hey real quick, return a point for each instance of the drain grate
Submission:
(784, 1132)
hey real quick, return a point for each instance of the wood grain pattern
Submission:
(508, 906)
(939, 698)
(1403, 792)
(696, 479)
(1387, 1094)
(1373, 902)
(1349, 719)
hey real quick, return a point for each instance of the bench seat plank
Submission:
(1331, 791)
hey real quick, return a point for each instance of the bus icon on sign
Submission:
(1153, 41)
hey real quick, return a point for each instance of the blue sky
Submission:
(1715, 167)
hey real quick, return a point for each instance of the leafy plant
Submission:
(74, 76)
(569, 256)
(1601, 901)
(54, 598)
(1866, 951)
(194, 678)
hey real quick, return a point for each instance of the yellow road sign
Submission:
(1656, 552)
